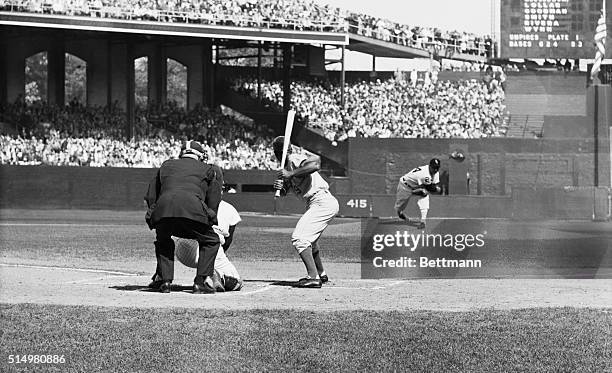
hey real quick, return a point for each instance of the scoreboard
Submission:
(551, 28)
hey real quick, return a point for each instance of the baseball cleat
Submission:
(324, 279)
(217, 284)
(203, 289)
(208, 287)
(165, 287)
(307, 282)
(420, 225)
(156, 283)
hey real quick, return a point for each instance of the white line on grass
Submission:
(70, 269)
(62, 225)
(99, 279)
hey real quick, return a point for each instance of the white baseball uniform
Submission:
(416, 178)
(226, 217)
(322, 205)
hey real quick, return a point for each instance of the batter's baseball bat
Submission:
(286, 142)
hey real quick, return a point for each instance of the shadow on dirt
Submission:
(146, 289)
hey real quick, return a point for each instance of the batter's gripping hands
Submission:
(281, 187)
(278, 185)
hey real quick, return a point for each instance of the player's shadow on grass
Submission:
(398, 222)
(415, 223)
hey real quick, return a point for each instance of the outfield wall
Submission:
(44, 187)
(496, 166)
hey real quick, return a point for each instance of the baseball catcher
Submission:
(419, 182)
(225, 276)
(301, 176)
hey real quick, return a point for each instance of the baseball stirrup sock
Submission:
(424, 214)
(309, 263)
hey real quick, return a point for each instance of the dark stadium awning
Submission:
(184, 29)
(380, 48)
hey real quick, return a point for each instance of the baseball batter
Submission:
(301, 176)
(419, 182)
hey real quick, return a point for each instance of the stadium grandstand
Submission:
(466, 93)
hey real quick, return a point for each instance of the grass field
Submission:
(110, 339)
(275, 328)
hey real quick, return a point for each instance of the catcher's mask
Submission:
(193, 149)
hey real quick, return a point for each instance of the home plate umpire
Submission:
(183, 201)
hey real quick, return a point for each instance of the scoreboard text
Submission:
(550, 28)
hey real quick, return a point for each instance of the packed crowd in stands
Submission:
(78, 136)
(439, 42)
(291, 14)
(397, 107)
(288, 14)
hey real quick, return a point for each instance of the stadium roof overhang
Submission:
(380, 48)
(171, 29)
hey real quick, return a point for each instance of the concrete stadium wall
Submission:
(567, 126)
(549, 83)
(44, 187)
(92, 187)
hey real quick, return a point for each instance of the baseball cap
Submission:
(435, 163)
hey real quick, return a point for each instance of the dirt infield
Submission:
(97, 266)
(70, 286)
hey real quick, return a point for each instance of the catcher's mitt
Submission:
(420, 192)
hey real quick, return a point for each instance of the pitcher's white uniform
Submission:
(417, 178)
(322, 206)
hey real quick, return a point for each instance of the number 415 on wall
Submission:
(357, 203)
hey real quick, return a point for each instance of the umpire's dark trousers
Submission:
(208, 242)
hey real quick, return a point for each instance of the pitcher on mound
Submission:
(419, 182)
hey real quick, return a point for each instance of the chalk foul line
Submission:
(90, 270)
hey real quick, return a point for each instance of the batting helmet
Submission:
(277, 144)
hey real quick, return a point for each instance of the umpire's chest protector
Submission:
(184, 183)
